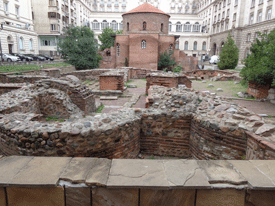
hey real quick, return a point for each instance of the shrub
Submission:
(166, 60)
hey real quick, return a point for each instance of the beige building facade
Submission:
(52, 16)
(17, 29)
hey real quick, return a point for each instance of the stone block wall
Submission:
(271, 95)
(207, 74)
(111, 82)
(92, 74)
(165, 135)
(258, 91)
(5, 88)
(58, 181)
(166, 80)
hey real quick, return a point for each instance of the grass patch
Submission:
(144, 79)
(152, 158)
(99, 109)
(129, 81)
(269, 116)
(50, 118)
(16, 68)
(87, 81)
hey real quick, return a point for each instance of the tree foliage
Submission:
(229, 56)
(79, 48)
(166, 60)
(107, 41)
(260, 64)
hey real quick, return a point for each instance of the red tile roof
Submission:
(146, 8)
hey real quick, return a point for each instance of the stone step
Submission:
(108, 98)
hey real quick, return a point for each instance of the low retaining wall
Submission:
(5, 88)
(166, 80)
(258, 91)
(57, 181)
(207, 74)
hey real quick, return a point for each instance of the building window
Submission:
(121, 26)
(118, 49)
(47, 41)
(104, 24)
(178, 27)
(95, 25)
(204, 46)
(30, 45)
(256, 35)
(53, 27)
(128, 26)
(171, 47)
(21, 40)
(195, 46)
(249, 37)
(224, 3)
(187, 27)
(114, 25)
(186, 45)
(260, 13)
(236, 2)
(161, 27)
(261, 1)
(143, 44)
(228, 12)
(269, 11)
(170, 26)
(247, 52)
(17, 10)
(251, 19)
(52, 15)
(144, 26)
(196, 27)
(252, 3)
(235, 17)
(6, 6)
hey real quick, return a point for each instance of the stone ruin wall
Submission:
(183, 130)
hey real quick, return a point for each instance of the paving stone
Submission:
(2, 197)
(222, 172)
(261, 198)
(41, 171)
(185, 173)
(78, 196)
(35, 196)
(114, 197)
(167, 197)
(222, 197)
(78, 169)
(137, 173)
(249, 171)
(108, 98)
(266, 167)
(10, 166)
(99, 173)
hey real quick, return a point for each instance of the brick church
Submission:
(145, 36)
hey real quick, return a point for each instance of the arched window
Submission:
(9, 38)
(143, 44)
(114, 25)
(144, 25)
(178, 27)
(196, 27)
(187, 27)
(30, 45)
(21, 40)
(204, 46)
(186, 45)
(108, 53)
(128, 26)
(195, 47)
(104, 24)
(161, 27)
(170, 26)
(95, 25)
(171, 47)
(118, 49)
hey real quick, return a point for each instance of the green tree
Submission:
(166, 60)
(107, 41)
(229, 56)
(260, 64)
(79, 48)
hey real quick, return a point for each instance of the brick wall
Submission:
(258, 91)
(162, 135)
(108, 61)
(111, 82)
(206, 74)
(166, 81)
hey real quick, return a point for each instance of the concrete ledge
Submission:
(85, 181)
